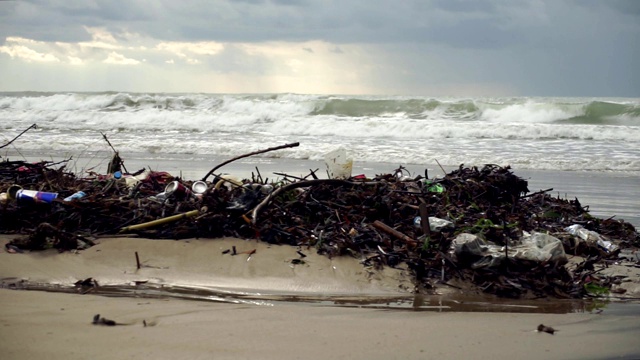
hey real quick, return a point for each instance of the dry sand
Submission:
(37, 324)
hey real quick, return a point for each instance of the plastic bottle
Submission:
(77, 195)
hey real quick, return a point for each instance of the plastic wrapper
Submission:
(435, 224)
(592, 238)
(535, 247)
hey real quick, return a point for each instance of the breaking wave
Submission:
(548, 132)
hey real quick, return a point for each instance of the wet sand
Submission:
(58, 326)
(38, 324)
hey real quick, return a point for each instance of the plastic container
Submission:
(77, 195)
(338, 165)
(435, 224)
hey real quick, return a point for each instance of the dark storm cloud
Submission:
(628, 7)
(243, 20)
(465, 6)
(540, 47)
(460, 23)
(62, 20)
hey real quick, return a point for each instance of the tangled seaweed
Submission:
(378, 220)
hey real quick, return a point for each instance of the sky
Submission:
(567, 48)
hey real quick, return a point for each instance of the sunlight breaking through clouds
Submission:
(429, 47)
(24, 49)
(119, 59)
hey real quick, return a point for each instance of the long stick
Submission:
(115, 151)
(108, 142)
(424, 216)
(391, 231)
(34, 126)
(250, 154)
(438, 162)
(161, 221)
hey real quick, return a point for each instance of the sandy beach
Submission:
(38, 324)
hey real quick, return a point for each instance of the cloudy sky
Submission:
(407, 47)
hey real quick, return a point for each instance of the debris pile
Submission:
(478, 226)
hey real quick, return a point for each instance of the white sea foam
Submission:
(570, 134)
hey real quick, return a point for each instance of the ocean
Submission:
(596, 139)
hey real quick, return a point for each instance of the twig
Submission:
(287, 175)
(108, 142)
(536, 193)
(312, 174)
(424, 217)
(34, 126)
(259, 175)
(115, 151)
(440, 166)
(249, 154)
(389, 230)
(165, 220)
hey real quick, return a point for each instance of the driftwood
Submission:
(204, 178)
(34, 126)
(116, 161)
(165, 220)
(397, 234)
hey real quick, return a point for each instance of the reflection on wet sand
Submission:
(409, 302)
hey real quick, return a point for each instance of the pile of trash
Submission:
(473, 226)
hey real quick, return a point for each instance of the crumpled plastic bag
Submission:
(592, 238)
(479, 253)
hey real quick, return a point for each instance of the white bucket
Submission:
(338, 165)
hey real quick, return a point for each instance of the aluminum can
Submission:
(33, 196)
(199, 187)
(177, 189)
